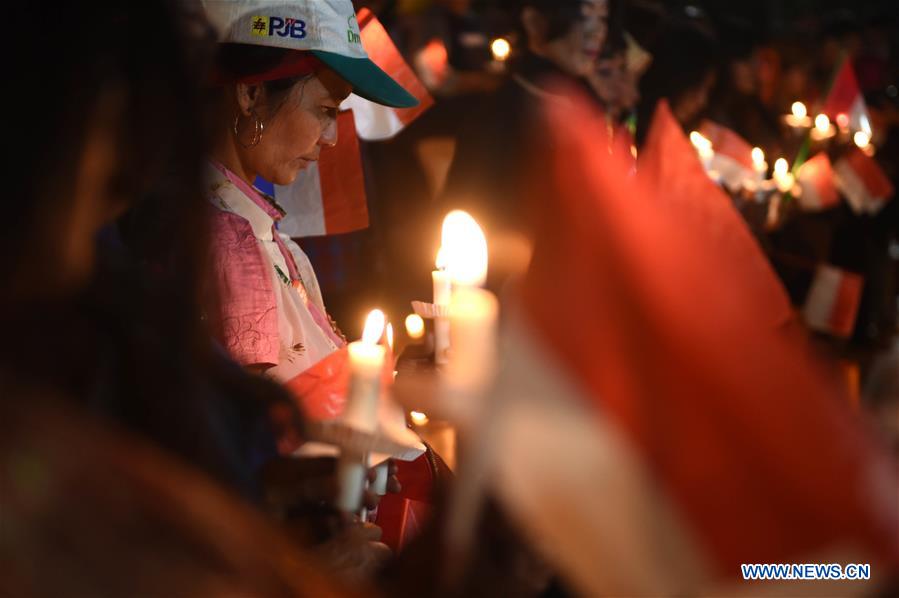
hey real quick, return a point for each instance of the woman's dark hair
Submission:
(682, 58)
(235, 61)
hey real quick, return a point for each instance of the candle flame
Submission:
(861, 139)
(415, 326)
(799, 110)
(466, 249)
(418, 418)
(822, 123)
(758, 156)
(374, 327)
(442, 259)
(500, 48)
(388, 332)
(781, 167)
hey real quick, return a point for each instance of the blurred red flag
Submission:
(845, 97)
(728, 143)
(863, 182)
(746, 435)
(819, 189)
(672, 173)
(832, 302)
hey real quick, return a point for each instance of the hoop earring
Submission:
(258, 128)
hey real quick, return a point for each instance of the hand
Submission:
(356, 553)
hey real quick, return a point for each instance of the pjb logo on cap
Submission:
(282, 27)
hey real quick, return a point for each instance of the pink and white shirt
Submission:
(271, 306)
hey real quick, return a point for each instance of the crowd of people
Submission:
(665, 397)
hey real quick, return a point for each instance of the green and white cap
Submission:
(327, 29)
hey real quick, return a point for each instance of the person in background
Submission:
(734, 102)
(559, 45)
(683, 71)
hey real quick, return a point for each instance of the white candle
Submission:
(474, 314)
(351, 480)
(443, 290)
(379, 486)
(366, 365)
(361, 411)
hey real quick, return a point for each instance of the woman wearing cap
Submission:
(284, 69)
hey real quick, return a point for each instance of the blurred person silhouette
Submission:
(106, 258)
(683, 71)
(735, 101)
(558, 41)
(105, 346)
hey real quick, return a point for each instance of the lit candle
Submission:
(782, 176)
(823, 129)
(415, 326)
(758, 163)
(443, 290)
(798, 119)
(418, 418)
(500, 48)
(703, 148)
(361, 411)
(861, 139)
(474, 313)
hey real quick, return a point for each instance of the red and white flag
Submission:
(328, 197)
(733, 154)
(373, 121)
(819, 188)
(651, 422)
(863, 182)
(845, 97)
(832, 302)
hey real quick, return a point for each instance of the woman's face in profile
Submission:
(296, 129)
